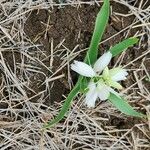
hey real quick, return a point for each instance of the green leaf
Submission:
(100, 25)
(118, 48)
(123, 106)
(65, 107)
(83, 84)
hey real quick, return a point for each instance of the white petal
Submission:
(104, 94)
(105, 73)
(91, 95)
(83, 69)
(102, 62)
(120, 75)
(90, 100)
(100, 85)
(92, 86)
(103, 90)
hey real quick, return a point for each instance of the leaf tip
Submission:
(134, 39)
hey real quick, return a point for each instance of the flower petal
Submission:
(102, 62)
(101, 84)
(91, 95)
(103, 91)
(104, 94)
(91, 86)
(118, 74)
(115, 84)
(83, 69)
(105, 73)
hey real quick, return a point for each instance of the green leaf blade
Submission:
(120, 47)
(65, 107)
(124, 107)
(100, 25)
(83, 84)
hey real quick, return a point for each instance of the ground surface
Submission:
(39, 40)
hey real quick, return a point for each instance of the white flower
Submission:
(118, 74)
(101, 91)
(91, 95)
(102, 62)
(105, 78)
(83, 69)
(87, 71)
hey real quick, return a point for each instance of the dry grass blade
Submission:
(33, 72)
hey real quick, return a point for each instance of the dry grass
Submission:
(82, 128)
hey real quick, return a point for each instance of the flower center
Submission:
(105, 79)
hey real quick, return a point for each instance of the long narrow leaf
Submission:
(100, 25)
(123, 106)
(118, 48)
(65, 107)
(83, 84)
